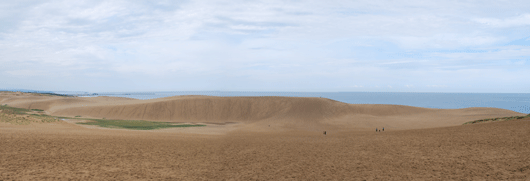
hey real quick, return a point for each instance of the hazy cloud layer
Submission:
(412, 46)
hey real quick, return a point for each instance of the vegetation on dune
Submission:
(15, 115)
(23, 116)
(135, 124)
(37, 93)
(13, 110)
(497, 119)
(54, 94)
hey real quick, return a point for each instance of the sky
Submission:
(302, 46)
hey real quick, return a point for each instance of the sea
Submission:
(519, 102)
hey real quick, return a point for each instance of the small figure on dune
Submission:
(324, 132)
(383, 128)
(375, 129)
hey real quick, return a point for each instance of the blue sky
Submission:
(379, 46)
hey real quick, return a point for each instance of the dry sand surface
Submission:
(498, 150)
(255, 113)
(238, 143)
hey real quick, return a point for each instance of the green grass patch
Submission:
(497, 119)
(135, 124)
(9, 114)
(42, 115)
(13, 110)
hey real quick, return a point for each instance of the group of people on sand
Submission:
(376, 130)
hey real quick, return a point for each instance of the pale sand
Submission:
(417, 144)
(255, 113)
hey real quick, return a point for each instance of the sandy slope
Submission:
(256, 113)
(248, 149)
(486, 151)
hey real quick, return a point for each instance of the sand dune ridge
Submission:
(290, 112)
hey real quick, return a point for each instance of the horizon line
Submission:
(119, 92)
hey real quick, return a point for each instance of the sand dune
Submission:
(251, 150)
(62, 151)
(256, 113)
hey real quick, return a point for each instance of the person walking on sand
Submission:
(383, 128)
(375, 129)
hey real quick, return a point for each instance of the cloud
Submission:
(521, 20)
(437, 86)
(282, 44)
(25, 73)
